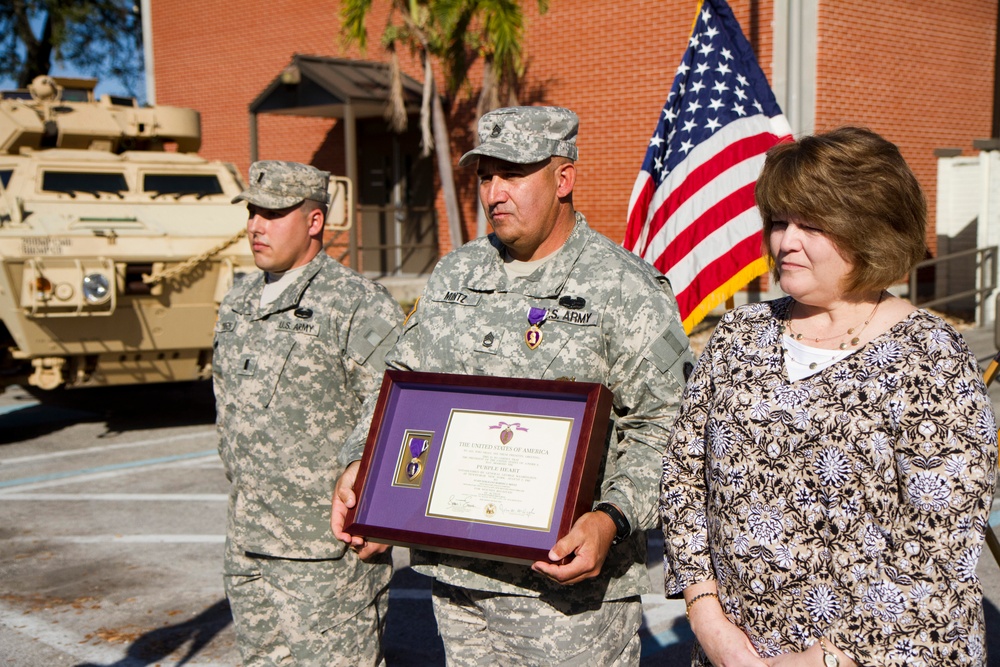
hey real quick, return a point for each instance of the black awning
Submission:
(323, 87)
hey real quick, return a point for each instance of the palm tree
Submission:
(499, 43)
(442, 29)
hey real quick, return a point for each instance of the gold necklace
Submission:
(854, 331)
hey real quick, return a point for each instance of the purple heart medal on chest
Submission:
(533, 336)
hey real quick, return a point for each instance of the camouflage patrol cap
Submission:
(275, 185)
(525, 135)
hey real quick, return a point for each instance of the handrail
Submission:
(991, 538)
(355, 246)
(986, 277)
(400, 213)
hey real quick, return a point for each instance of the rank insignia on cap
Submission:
(496, 130)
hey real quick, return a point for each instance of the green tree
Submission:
(497, 40)
(99, 38)
(455, 33)
(499, 43)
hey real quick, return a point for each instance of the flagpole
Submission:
(991, 539)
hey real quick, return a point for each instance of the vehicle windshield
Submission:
(94, 183)
(180, 185)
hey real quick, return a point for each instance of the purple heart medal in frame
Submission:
(413, 458)
(497, 468)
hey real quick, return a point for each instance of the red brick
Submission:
(919, 73)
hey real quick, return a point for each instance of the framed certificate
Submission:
(497, 468)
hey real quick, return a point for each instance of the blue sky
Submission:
(104, 87)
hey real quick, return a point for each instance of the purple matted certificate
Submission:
(499, 468)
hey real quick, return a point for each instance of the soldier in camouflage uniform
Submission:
(298, 349)
(545, 296)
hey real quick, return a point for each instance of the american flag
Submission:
(692, 212)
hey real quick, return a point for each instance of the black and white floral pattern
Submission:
(851, 503)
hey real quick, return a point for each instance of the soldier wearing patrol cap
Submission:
(544, 296)
(298, 348)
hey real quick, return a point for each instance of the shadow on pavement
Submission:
(155, 645)
(992, 633)
(675, 655)
(412, 640)
(411, 636)
(37, 420)
(121, 408)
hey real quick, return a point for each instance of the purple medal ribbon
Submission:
(418, 446)
(537, 315)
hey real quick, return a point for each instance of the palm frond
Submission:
(426, 135)
(352, 15)
(395, 108)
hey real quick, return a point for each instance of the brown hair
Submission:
(855, 187)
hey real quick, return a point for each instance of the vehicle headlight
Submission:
(96, 288)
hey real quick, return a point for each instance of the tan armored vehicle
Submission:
(117, 242)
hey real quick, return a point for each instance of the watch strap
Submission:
(622, 526)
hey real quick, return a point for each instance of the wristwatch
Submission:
(830, 658)
(622, 527)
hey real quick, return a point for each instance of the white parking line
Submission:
(105, 472)
(121, 497)
(122, 539)
(107, 448)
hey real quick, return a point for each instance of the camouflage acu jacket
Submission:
(611, 318)
(290, 382)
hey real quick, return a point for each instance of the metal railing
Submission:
(986, 278)
(395, 252)
(396, 240)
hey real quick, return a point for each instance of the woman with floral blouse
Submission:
(831, 471)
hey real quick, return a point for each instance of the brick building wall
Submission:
(920, 73)
(615, 70)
